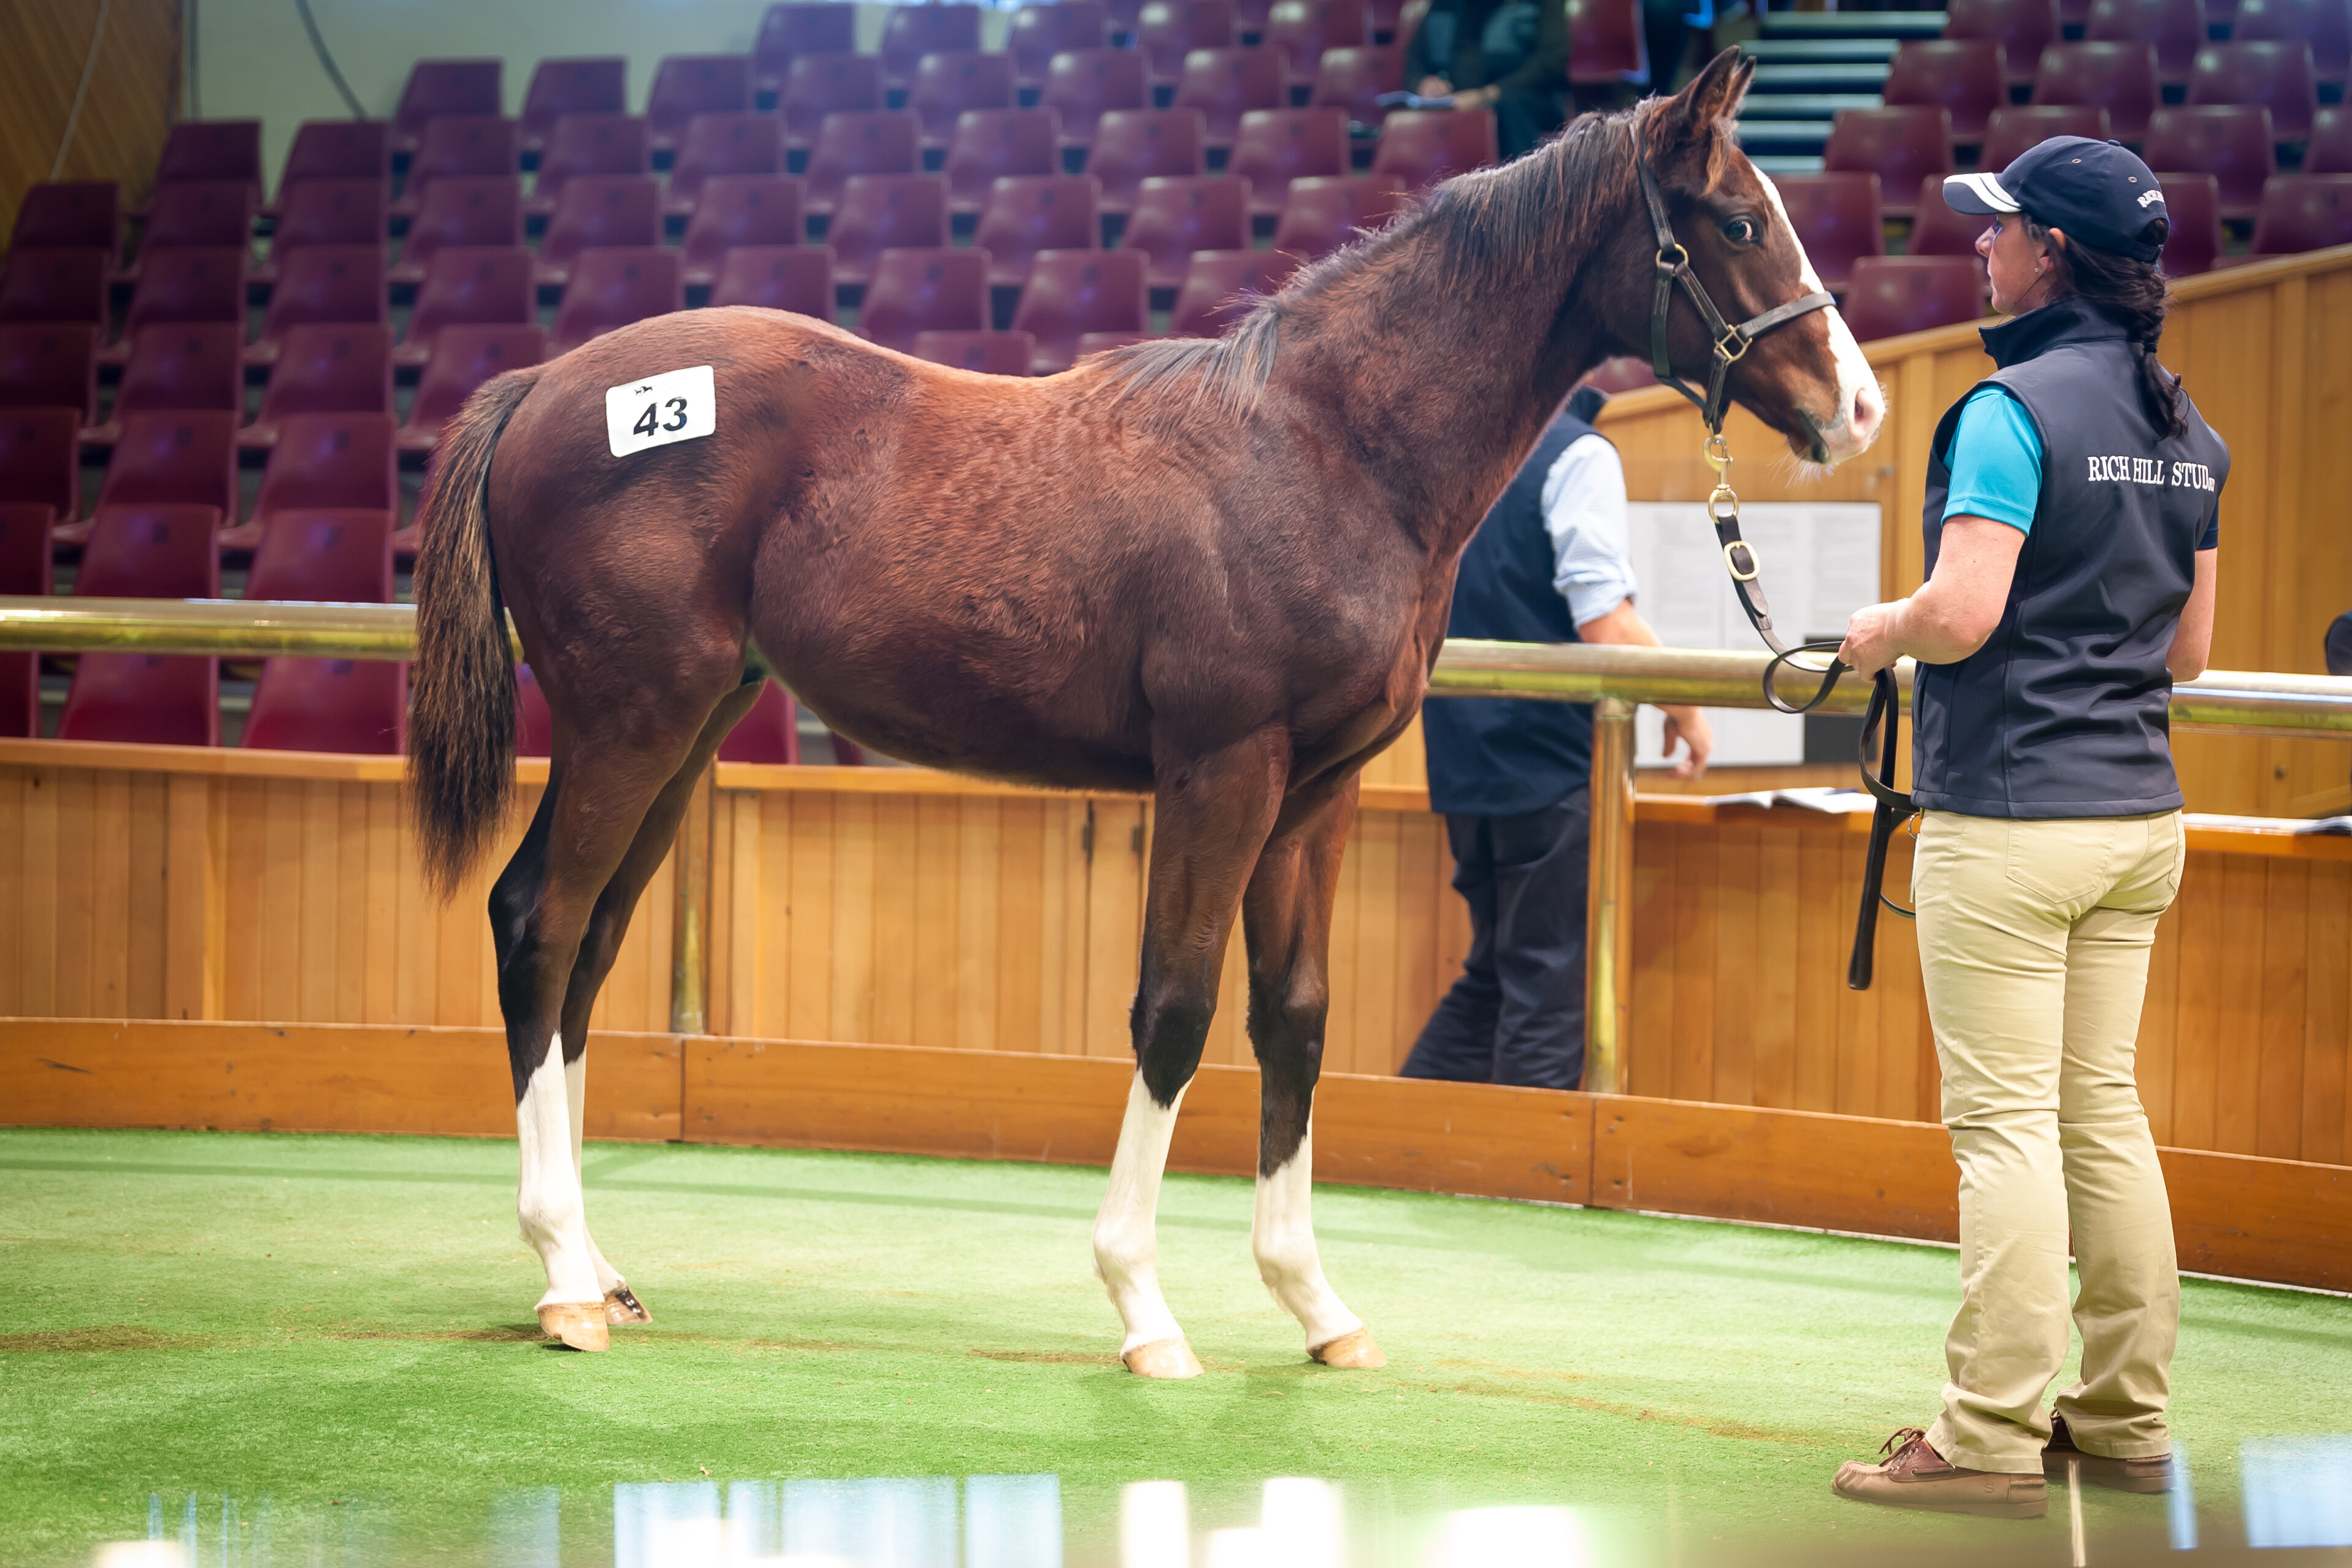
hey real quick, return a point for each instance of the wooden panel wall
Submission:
(2260, 349)
(134, 93)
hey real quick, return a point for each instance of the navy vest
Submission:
(1502, 757)
(2064, 712)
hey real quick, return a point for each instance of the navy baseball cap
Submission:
(2098, 193)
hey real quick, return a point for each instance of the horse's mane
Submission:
(1520, 216)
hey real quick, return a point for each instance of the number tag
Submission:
(676, 405)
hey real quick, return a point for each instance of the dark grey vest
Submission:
(2065, 711)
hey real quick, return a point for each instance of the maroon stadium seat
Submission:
(1838, 219)
(180, 365)
(1605, 44)
(324, 369)
(212, 150)
(1891, 295)
(2118, 78)
(950, 82)
(1091, 343)
(534, 725)
(1966, 77)
(333, 555)
(464, 356)
(2329, 150)
(989, 143)
(886, 211)
(476, 212)
(740, 210)
(476, 284)
(1303, 29)
(790, 31)
(1388, 16)
(2022, 28)
(1419, 147)
(147, 551)
(1324, 214)
(613, 287)
(69, 214)
(329, 705)
(886, 141)
(26, 554)
(461, 147)
(336, 283)
(818, 84)
(2192, 206)
(2233, 143)
(49, 364)
(720, 144)
(989, 353)
(1168, 30)
(1352, 81)
(206, 284)
(2012, 131)
(173, 457)
(1901, 146)
(151, 549)
(2176, 29)
(2325, 24)
(1041, 32)
(194, 214)
(778, 277)
(439, 89)
(350, 211)
(910, 32)
(924, 290)
(56, 283)
(343, 460)
(1030, 212)
(39, 460)
(337, 150)
(1626, 372)
(1938, 230)
(601, 211)
(687, 85)
(769, 734)
(1225, 83)
(587, 147)
(2303, 212)
(1277, 146)
(2278, 77)
(596, 85)
(1073, 292)
(1217, 288)
(1132, 145)
(1082, 85)
(1176, 214)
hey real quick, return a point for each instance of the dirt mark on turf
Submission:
(1048, 1357)
(1741, 1431)
(111, 1337)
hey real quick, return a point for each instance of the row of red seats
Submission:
(2178, 30)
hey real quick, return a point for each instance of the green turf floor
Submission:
(306, 1318)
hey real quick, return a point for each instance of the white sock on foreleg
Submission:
(1282, 1236)
(1126, 1243)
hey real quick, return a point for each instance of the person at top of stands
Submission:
(1513, 776)
(2072, 526)
(1509, 55)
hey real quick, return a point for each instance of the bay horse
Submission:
(1217, 570)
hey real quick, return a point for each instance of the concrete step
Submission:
(1826, 78)
(1819, 51)
(1804, 105)
(1786, 163)
(1783, 135)
(1813, 24)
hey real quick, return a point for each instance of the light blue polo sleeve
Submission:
(1995, 460)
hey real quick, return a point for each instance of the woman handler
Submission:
(2071, 531)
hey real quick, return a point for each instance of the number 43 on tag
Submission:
(676, 405)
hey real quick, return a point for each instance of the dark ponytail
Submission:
(2133, 293)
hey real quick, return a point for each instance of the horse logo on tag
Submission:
(676, 405)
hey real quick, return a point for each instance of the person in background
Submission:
(1509, 55)
(1513, 777)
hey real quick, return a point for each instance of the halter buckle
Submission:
(1676, 267)
(1740, 343)
(1731, 558)
(1723, 507)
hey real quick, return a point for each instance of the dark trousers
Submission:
(1516, 1015)
(1522, 119)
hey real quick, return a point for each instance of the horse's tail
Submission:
(461, 725)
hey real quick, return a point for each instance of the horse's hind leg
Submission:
(1287, 925)
(601, 945)
(1212, 816)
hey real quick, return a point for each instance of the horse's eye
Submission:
(1742, 231)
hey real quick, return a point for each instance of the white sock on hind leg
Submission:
(1282, 1236)
(549, 1203)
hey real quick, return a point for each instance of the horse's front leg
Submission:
(1211, 815)
(1286, 923)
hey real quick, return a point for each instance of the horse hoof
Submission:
(622, 1306)
(1350, 1350)
(579, 1324)
(1162, 1358)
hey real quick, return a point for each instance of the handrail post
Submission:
(1608, 908)
(689, 970)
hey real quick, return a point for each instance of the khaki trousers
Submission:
(2033, 945)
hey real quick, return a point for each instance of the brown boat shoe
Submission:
(2116, 1475)
(1913, 1475)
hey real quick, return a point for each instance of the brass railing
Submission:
(1613, 679)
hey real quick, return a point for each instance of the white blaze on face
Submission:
(1282, 1236)
(549, 1203)
(1127, 1245)
(1852, 424)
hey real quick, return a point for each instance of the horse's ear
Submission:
(1713, 95)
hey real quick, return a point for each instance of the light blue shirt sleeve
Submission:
(1584, 513)
(1995, 460)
